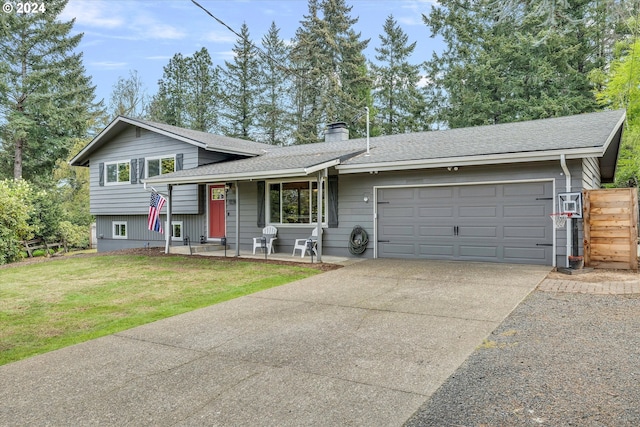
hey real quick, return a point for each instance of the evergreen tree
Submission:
(500, 70)
(169, 104)
(621, 89)
(202, 92)
(239, 82)
(399, 101)
(332, 77)
(187, 93)
(46, 99)
(274, 113)
(308, 79)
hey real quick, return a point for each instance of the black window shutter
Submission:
(101, 174)
(141, 168)
(261, 203)
(179, 161)
(134, 171)
(333, 201)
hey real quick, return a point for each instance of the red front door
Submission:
(217, 227)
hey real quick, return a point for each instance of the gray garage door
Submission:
(492, 222)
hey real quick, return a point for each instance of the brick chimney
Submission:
(336, 132)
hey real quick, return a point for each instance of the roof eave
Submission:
(478, 160)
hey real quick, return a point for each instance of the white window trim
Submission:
(106, 175)
(146, 163)
(113, 229)
(180, 223)
(325, 203)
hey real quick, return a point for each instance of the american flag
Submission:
(155, 205)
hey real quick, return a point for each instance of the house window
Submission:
(161, 165)
(176, 230)
(294, 202)
(119, 229)
(117, 172)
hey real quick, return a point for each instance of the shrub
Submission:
(15, 212)
(76, 236)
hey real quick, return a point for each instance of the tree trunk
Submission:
(17, 163)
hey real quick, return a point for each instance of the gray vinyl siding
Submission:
(139, 236)
(132, 198)
(591, 173)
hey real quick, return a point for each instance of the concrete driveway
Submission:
(363, 346)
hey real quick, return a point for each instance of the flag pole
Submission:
(168, 229)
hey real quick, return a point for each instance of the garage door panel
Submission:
(492, 222)
(525, 232)
(406, 250)
(476, 231)
(432, 250)
(519, 254)
(477, 212)
(478, 251)
(483, 191)
(435, 231)
(524, 211)
(436, 212)
(525, 189)
(397, 212)
(435, 192)
(398, 230)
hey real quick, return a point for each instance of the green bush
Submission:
(76, 236)
(15, 213)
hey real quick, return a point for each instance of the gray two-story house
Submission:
(480, 194)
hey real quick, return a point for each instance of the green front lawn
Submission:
(48, 305)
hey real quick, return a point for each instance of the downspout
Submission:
(567, 178)
(237, 219)
(320, 205)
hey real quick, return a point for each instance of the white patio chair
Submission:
(270, 233)
(301, 244)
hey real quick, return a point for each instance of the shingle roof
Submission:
(584, 135)
(561, 133)
(205, 140)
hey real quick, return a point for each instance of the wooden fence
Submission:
(611, 228)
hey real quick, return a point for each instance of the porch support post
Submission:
(168, 229)
(321, 175)
(237, 218)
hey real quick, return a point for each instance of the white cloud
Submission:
(220, 37)
(100, 14)
(108, 65)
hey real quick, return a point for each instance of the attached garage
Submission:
(496, 222)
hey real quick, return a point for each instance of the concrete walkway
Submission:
(364, 345)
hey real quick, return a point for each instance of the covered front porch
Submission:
(218, 251)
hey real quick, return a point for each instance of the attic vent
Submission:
(336, 132)
(137, 132)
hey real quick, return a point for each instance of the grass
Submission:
(49, 305)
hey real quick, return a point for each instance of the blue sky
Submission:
(142, 35)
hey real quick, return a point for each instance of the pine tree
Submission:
(239, 82)
(169, 104)
(399, 101)
(46, 99)
(333, 83)
(274, 118)
(502, 70)
(187, 93)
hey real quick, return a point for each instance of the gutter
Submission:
(478, 160)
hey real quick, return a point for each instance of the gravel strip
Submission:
(558, 360)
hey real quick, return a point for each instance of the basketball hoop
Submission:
(560, 219)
